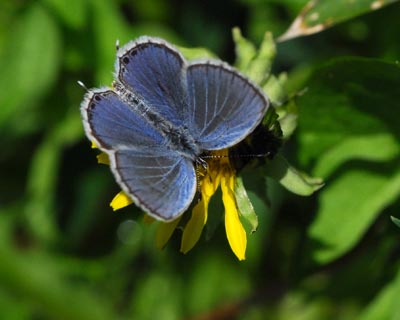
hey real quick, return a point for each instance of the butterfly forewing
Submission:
(155, 71)
(224, 106)
(113, 125)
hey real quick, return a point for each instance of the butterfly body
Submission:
(161, 114)
(178, 138)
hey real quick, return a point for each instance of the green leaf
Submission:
(350, 112)
(245, 206)
(274, 88)
(385, 304)
(33, 56)
(72, 12)
(42, 180)
(395, 221)
(37, 278)
(286, 108)
(318, 15)
(293, 180)
(196, 53)
(363, 147)
(348, 206)
(164, 305)
(255, 64)
(221, 284)
(109, 26)
(245, 50)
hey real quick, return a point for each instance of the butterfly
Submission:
(161, 115)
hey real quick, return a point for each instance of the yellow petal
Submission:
(234, 229)
(103, 158)
(194, 227)
(209, 185)
(120, 201)
(165, 231)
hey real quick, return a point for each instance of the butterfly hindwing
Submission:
(162, 183)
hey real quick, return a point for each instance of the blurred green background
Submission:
(334, 255)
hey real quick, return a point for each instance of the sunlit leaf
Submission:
(396, 221)
(319, 15)
(293, 180)
(245, 206)
(363, 147)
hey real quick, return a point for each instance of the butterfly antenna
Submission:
(83, 85)
(251, 155)
(200, 164)
(259, 155)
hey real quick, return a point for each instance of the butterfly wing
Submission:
(224, 106)
(159, 180)
(154, 70)
(112, 124)
(163, 184)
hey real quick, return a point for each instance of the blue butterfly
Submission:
(161, 115)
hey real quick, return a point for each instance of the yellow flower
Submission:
(219, 173)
